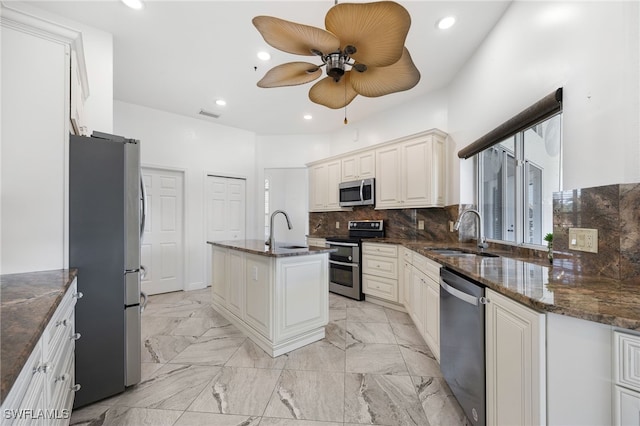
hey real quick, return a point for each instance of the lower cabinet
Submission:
(626, 371)
(281, 303)
(44, 391)
(380, 271)
(515, 357)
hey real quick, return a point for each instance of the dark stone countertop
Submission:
(258, 247)
(27, 303)
(561, 288)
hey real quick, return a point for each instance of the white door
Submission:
(162, 247)
(225, 212)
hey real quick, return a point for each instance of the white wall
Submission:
(98, 50)
(589, 48)
(198, 148)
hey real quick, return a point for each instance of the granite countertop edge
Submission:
(18, 291)
(258, 247)
(593, 298)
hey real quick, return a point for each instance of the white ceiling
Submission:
(180, 56)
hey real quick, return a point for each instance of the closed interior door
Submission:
(162, 247)
(225, 214)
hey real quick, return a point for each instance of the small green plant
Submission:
(549, 239)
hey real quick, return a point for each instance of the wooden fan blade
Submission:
(377, 30)
(379, 81)
(290, 74)
(295, 38)
(331, 94)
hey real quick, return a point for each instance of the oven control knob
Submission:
(350, 258)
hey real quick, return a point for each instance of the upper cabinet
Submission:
(359, 166)
(324, 179)
(36, 74)
(411, 174)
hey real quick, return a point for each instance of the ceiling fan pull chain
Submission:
(345, 102)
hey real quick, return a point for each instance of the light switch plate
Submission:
(583, 239)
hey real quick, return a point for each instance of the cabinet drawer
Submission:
(62, 320)
(380, 266)
(29, 374)
(388, 250)
(627, 359)
(407, 255)
(427, 266)
(383, 288)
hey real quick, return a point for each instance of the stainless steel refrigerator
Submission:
(106, 221)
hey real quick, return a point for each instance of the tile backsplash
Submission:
(398, 223)
(614, 210)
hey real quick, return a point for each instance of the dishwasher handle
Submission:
(467, 298)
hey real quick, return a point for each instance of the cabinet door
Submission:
(219, 275)
(407, 283)
(384, 288)
(318, 187)
(438, 173)
(258, 297)
(388, 180)
(418, 314)
(416, 177)
(626, 407)
(515, 363)
(431, 330)
(236, 283)
(349, 169)
(332, 183)
(366, 165)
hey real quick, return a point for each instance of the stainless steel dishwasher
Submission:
(462, 358)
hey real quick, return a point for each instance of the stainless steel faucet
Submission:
(271, 241)
(482, 242)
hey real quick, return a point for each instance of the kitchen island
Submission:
(279, 297)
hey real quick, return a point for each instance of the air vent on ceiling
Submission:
(209, 114)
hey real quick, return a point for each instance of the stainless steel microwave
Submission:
(357, 193)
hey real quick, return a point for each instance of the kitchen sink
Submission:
(293, 247)
(459, 253)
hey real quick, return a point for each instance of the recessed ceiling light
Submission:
(446, 22)
(265, 56)
(221, 102)
(134, 4)
(308, 116)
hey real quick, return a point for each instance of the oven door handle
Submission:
(332, 243)
(335, 262)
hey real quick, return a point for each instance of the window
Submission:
(516, 181)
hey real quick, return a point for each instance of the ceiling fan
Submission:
(362, 50)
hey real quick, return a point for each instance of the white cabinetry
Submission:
(36, 69)
(626, 372)
(359, 166)
(421, 283)
(44, 391)
(515, 357)
(324, 179)
(281, 303)
(380, 271)
(412, 173)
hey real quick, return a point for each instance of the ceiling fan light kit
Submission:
(367, 38)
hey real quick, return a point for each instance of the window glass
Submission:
(517, 179)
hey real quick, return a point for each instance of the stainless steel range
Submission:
(345, 274)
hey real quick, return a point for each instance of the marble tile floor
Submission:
(198, 369)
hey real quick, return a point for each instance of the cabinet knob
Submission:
(62, 378)
(78, 295)
(63, 323)
(76, 387)
(75, 336)
(45, 368)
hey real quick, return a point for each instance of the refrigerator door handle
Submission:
(143, 302)
(143, 199)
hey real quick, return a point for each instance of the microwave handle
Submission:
(362, 191)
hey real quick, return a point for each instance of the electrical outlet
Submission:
(337, 225)
(421, 225)
(451, 226)
(583, 239)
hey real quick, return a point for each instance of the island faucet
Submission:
(482, 242)
(271, 241)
